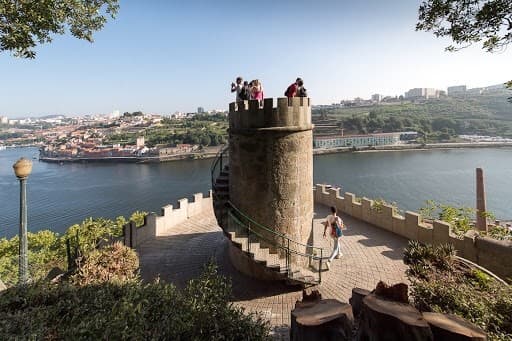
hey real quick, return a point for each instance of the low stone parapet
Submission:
(489, 253)
(157, 225)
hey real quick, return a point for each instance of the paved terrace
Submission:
(369, 255)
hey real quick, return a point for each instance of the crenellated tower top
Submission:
(290, 114)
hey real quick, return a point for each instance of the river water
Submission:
(61, 195)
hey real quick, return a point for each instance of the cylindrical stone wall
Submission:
(271, 166)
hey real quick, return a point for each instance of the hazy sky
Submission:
(164, 56)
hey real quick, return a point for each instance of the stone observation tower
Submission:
(263, 199)
(271, 167)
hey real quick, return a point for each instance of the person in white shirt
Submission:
(237, 87)
(330, 224)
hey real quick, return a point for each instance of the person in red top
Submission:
(291, 91)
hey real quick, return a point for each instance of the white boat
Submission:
(2, 147)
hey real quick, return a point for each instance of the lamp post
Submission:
(22, 169)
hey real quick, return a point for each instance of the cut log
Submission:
(322, 320)
(356, 300)
(382, 319)
(453, 328)
(396, 292)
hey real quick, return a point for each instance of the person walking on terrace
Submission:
(335, 225)
(237, 88)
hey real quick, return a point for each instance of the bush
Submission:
(135, 311)
(45, 252)
(439, 283)
(114, 263)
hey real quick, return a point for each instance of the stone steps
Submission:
(265, 255)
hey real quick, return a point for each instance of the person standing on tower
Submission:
(301, 91)
(291, 91)
(237, 87)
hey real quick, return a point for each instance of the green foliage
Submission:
(440, 284)
(138, 217)
(460, 218)
(132, 310)
(91, 232)
(378, 204)
(25, 24)
(47, 249)
(467, 22)
(114, 263)
(433, 119)
(500, 233)
(423, 258)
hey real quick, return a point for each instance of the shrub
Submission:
(441, 284)
(45, 252)
(129, 310)
(114, 263)
(138, 218)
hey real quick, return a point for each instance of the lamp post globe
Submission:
(22, 169)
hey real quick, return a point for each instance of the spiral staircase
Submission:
(274, 253)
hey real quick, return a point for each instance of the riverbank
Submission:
(413, 147)
(129, 159)
(213, 152)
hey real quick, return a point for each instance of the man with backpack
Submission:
(292, 90)
(334, 222)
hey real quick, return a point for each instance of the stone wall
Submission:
(271, 164)
(156, 225)
(494, 255)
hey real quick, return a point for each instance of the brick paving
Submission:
(370, 254)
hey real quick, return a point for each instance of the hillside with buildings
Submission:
(435, 115)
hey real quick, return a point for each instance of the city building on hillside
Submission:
(200, 110)
(337, 141)
(140, 142)
(376, 98)
(426, 93)
(475, 91)
(456, 90)
(4, 120)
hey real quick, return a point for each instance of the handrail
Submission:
(273, 242)
(237, 215)
(215, 163)
(270, 230)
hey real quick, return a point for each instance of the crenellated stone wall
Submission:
(494, 255)
(157, 225)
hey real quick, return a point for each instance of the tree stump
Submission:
(322, 320)
(396, 292)
(356, 301)
(388, 320)
(453, 328)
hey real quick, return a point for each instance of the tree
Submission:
(26, 24)
(469, 21)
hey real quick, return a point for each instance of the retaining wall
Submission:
(157, 225)
(494, 255)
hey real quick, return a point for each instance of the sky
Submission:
(162, 56)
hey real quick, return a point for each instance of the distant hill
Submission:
(486, 114)
(492, 105)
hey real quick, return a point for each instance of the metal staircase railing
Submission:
(256, 230)
(279, 241)
(218, 163)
